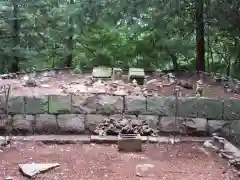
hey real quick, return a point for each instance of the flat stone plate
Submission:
(136, 72)
(102, 72)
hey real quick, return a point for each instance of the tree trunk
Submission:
(174, 59)
(69, 57)
(200, 50)
(16, 29)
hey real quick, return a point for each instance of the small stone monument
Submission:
(137, 74)
(129, 142)
(117, 74)
(101, 72)
(217, 78)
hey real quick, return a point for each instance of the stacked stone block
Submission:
(78, 114)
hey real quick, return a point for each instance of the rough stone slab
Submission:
(195, 125)
(209, 108)
(101, 72)
(71, 123)
(135, 104)
(23, 123)
(56, 139)
(102, 104)
(234, 131)
(231, 109)
(59, 104)
(16, 105)
(36, 105)
(136, 72)
(117, 74)
(33, 169)
(93, 121)
(5, 122)
(104, 139)
(169, 125)
(187, 107)
(46, 123)
(220, 127)
(153, 121)
(193, 139)
(2, 104)
(163, 106)
(159, 139)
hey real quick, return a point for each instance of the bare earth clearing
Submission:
(185, 161)
(67, 82)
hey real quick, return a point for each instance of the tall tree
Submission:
(200, 49)
(16, 39)
(69, 57)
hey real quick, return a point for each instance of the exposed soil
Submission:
(185, 161)
(67, 82)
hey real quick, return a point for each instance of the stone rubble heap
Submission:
(113, 126)
(225, 150)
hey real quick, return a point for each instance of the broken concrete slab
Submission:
(33, 169)
(102, 72)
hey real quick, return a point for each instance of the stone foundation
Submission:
(56, 114)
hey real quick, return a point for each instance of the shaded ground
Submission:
(185, 161)
(67, 82)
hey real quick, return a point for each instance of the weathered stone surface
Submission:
(117, 74)
(135, 104)
(16, 105)
(71, 123)
(46, 123)
(23, 123)
(169, 125)
(195, 125)
(59, 104)
(138, 74)
(33, 169)
(102, 72)
(103, 139)
(231, 109)
(36, 105)
(234, 131)
(2, 104)
(153, 121)
(220, 127)
(187, 107)
(102, 104)
(55, 139)
(145, 170)
(164, 106)
(209, 108)
(5, 122)
(93, 121)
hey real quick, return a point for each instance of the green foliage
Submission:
(149, 34)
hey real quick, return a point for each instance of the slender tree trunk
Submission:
(69, 57)
(16, 29)
(200, 54)
(208, 54)
(174, 59)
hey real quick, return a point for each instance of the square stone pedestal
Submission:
(129, 142)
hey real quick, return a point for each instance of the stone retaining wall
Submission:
(81, 113)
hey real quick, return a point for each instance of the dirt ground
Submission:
(67, 82)
(185, 161)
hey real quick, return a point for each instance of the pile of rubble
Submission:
(112, 126)
(225, 149)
